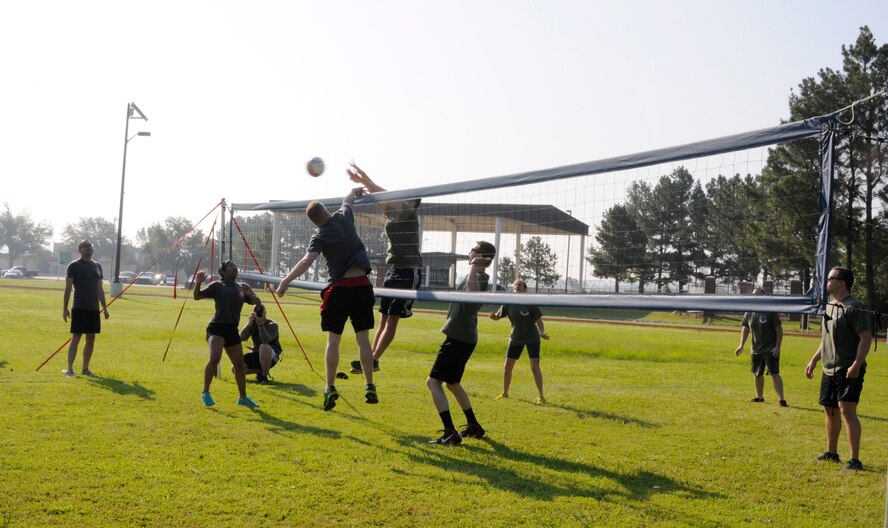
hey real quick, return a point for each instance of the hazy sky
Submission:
(239, 95)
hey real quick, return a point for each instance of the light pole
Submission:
(567, 259)
(131, 109)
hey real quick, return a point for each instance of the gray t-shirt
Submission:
(338, 241)
(87, 276)
(402, 232)
(763, 327)
(523, 320)
(462, 318)
(839, 334)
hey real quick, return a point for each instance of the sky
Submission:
(240, 95)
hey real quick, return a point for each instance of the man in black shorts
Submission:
(461, 329)
(404, 261)
(266, 349)
(85, 276)
(349, 294)
(767, 336)
(845, 341)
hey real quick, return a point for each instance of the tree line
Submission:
(741, 227)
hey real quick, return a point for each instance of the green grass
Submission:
(646, 426)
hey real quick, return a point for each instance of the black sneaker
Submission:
(370, 394)
(783, 403)
(472, 430)
(829, 457)
(356, 366)
(330, 397)
(261, 379)
(853, 465)
(450, 437)
(757, 400)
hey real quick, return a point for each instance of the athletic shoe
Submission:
(207, 399)
(248, 402)
(262, 379)
(68, 373)
(370, 394)
(853, 465)
(472, 430)
(541, 401)
(87, 372)
(356, 367)
(330, 397)
(341, 375)
(829, 457)
(450, 437)
(783, 403)
(503, 396)
(757, 400)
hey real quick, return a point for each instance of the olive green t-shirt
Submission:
(402, 231)
(763, 327)
(523, 319)
(462, 318)
(839, 333)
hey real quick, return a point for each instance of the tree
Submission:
(621, 246)
(505, 272)
(733, 210)
(21, 235)
(538, 262)
(103, 235)
(156, 245)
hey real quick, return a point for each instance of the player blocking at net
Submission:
(404, 261)
(349, 294)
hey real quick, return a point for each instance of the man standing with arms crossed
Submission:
(85, 276)
(404, 260)
(845, 342)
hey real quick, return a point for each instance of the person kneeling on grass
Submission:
(229, 296)
(461, 329)
(266, 349)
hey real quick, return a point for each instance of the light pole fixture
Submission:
(131, 109)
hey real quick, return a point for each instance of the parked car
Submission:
(146, 277)
(127, 277)
(13, 274)
(26, 273)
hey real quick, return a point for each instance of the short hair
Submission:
(415, 203)
(315, 211)
(224, 265)
(259, 310)
(520, 282)
(84, 243)
(485, 249)
(846, 275)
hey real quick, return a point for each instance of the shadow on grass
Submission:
(3, 363)
(819, 410)
(121, 387)
(591, 413)
(279, 426)
(298, 388)
(500, 471)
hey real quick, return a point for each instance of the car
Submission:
(26, 273)
(127, 277)
(146, 277)
(13, 274)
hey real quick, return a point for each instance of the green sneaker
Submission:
(330, 397)
(370, 394)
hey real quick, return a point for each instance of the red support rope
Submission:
(271, 291)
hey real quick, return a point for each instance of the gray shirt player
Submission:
(462, 318)
(340, 244)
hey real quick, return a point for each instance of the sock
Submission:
(470, 416)
(447, 420)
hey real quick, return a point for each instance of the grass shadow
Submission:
(506, 476)
(298, 388)
(3, 363)
(279, 426)
(590, 413)
(120, 387)
(819, 410)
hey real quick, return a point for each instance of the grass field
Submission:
(646, 426)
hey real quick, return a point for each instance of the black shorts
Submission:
(837, 387)
(226, 331)
(400, 279)
(514, 351)
(450, 364)
(85, 321)
(252, 362)
(761, 361)
(347, 302)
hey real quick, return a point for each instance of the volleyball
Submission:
(315, 166)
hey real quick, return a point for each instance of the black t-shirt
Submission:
(338, 241)
(87, 275)
(229, 298)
